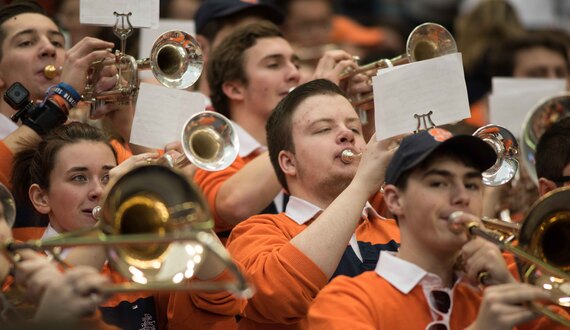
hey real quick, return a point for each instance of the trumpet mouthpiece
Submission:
(455, 224)
(50, 71)
(347, 156)
(96, 212)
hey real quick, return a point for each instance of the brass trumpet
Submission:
(209, 141)
(426, 41)
(499, 138)
(155, 228)
(175, 61)
(543, 246)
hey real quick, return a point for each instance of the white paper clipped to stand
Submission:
(513, 98)
(436, 85)
(144, 13)
(161, 113)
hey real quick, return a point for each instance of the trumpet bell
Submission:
(8, 205)
(154, 199)
(506, 147)
(537, 121)
(429, 40)
(209, 141)
(176, 59)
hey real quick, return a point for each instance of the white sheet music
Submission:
(145, 13)
(436, 85)
(161, 113)
(513, 98)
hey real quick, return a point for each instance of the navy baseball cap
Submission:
(417, 147)
(212, 9)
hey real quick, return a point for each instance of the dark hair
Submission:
(227, 60)
(502, 59)
(455, 153)
(35, 162)
(553, 150)
(213, 27)
(14, 9)
(279, 125)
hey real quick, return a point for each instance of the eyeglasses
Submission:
(440, 302)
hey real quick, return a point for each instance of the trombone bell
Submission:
(154, 199)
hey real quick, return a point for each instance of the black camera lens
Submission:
(17, 96)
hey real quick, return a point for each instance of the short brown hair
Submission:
(227, 60)
(279, 126)
(14, 9)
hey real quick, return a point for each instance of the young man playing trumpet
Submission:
(249, 73)
(433, 178)
(328, 227)
(29, 41)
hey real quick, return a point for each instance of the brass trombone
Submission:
(543, 246)
(426, 41)
(155, 228)
(209, 141)
(537, 121)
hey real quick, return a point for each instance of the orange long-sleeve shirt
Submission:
(204, 310)
(211, 182)
(285, 279)
(380, 300)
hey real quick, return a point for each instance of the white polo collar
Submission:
(247, 144)
(301, 211)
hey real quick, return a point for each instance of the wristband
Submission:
(70, 90)
(68, 97)
(45, 117)
(61, 102)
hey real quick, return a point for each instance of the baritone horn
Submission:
(426, 41)
(209, 141)
(543, 246)
(537, 121)
(155, 227)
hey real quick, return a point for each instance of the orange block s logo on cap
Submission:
(439, 134)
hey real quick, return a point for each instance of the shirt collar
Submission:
(404, 275)
(301, 211)
(247, 144)
(49, 232)
(7, 126)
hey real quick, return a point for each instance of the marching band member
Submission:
(432, 177)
